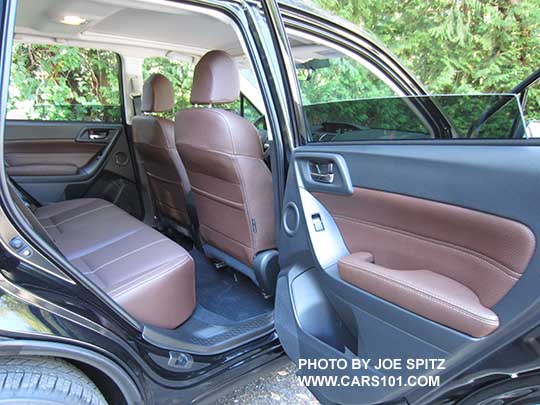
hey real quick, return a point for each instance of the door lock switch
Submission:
(317, 223)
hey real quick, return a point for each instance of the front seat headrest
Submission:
(158, 94)
(216, 79)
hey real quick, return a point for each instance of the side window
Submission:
(60, 83)
(346, 100)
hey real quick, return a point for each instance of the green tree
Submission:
(64, 83)
(455, 46)
(179, 73)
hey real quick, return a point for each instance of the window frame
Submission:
(351, 41)
(120, 77)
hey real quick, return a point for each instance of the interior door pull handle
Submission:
(323, 173)
(323, 178)
(95, 137)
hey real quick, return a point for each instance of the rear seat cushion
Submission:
(152, 277)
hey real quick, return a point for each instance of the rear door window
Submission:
(61, 83)
(347, 99)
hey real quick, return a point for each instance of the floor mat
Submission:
(228, 294)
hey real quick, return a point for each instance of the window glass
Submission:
(60, 83)
(342, 96)
(346, 101)
(252, 114)
(532, 110)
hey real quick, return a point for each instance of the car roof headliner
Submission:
(132, 27)
(138, 28)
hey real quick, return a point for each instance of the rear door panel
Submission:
(54, 161)
(459, 211)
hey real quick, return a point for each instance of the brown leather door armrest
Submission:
(423, 292)
(42, 170)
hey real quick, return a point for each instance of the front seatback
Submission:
(153, 137)
(222, 154)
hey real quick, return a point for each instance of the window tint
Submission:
(345, 101)
(251, 113)
(532, 110)
(59, 83)
(341, 96)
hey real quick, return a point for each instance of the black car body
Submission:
(50, 310)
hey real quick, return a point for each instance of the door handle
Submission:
(322, 172)
(96, 137)
(98, 134)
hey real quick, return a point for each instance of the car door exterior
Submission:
(409, 258)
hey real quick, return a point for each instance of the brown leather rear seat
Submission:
(149, 275)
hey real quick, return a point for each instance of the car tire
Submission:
(45, 380)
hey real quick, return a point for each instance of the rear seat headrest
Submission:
(216, 79)
(158, 94)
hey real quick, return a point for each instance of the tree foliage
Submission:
(455, 46)
(179, 73)
(64, 83)
(452, 46)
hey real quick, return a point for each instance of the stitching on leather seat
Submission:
(227, 236)
(221, 200)
(161, 273)
(127, 254)
(95, 248)
(491, 262)
(79, 215)
(87, 201)
(430, 296)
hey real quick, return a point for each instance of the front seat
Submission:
(154, 141)
(231, 184)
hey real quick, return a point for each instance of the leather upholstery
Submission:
(215, 80)
(158, 94)
(231, 184)
(483, 252)
(149, 275)
(155, 144)
(48, 157)
(424, 292)
(222, 153)
(447, 263)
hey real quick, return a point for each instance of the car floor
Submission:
(230, 308)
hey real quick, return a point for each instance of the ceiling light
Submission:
(72, 20)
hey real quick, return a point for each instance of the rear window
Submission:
(61, 83)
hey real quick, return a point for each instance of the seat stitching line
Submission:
(127, 254)
(430, 296)
(222, 234)
(80, 215)
(491, 262)
(50, 216)
(107, 243)
(160, 274)
(221, 200)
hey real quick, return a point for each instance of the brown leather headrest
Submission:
(158, 94)
(215, 80)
